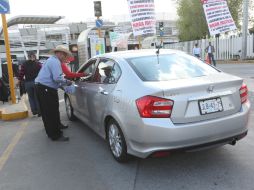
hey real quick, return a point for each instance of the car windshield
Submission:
(169, 67)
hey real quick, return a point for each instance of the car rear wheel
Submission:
(69, 109)
(116, 141)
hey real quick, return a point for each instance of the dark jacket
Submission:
(213, 49)
(30, 70)
(4, 91)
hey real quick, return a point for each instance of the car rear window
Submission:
(169, 67)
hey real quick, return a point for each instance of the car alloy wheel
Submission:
(116, 141)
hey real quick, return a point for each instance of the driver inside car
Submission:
(108, 73)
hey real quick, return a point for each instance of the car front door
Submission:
(98, 92)
(78, 99)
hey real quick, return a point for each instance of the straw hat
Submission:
(61, 48)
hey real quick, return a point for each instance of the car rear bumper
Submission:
(161, 134)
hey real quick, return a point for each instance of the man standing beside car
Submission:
(210, 50)
(49, 79)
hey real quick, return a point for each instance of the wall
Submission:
(227, 48)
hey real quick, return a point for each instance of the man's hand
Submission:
(68, 82)
(18, 83)
(69, 89)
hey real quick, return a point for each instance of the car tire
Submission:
(116, 141)
(69, 109)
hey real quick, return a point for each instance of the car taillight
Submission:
(244, 93)
(154, 107)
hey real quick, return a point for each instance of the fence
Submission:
(227, 48)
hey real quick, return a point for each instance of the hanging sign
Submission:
(142, 17)
(218, 16)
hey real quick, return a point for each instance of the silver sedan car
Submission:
(148, 103)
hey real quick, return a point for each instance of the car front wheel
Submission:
(116, 141)
(69, 109)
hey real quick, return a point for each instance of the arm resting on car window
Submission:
(58, 76)
(69, 74)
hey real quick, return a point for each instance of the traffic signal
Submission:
(97, 8)
(161, 26)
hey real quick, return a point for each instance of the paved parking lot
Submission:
(29, 161)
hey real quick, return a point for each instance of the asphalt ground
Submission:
(30, 161)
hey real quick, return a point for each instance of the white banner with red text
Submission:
(142, 16)
(218, 16)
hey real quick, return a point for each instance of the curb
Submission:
(235, 62)
(9, 115)
(13, 116)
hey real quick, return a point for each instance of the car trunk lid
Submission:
(202, 98)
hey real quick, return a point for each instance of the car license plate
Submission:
(210, 106)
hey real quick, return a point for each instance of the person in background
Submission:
(196, 51)
(30, 70)
(49, 79)
(210, 50)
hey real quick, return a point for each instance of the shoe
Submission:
(39, 115)
(63, 126)
(34, 113)
(61, 139)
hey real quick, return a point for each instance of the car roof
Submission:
(138, 53)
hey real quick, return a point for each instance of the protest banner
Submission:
(142, 17)
(119, 40)
(218, 16)
(97, 46)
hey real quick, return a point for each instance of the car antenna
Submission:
(158, 53)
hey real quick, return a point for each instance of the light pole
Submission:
(245, 29)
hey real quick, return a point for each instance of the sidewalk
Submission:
(235, 61)
(10, 111)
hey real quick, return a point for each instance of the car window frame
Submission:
(86, 63)
(84, 66)
(115, 64)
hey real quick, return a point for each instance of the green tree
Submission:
(235, 8)
(191, 21)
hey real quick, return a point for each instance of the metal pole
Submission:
(8, 56)
(245, 29)
(1, 73)
(38, 44)
(98, 29)
(23, 46)
(139, 42)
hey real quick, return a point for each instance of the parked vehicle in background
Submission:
(147, 104)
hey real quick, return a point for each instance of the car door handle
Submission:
(104, 92)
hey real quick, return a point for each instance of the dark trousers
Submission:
(211, 58)
(32, 97)
(197, 55)
(49, 104)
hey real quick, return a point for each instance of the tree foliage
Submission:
(235, 8)
(191, 21)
